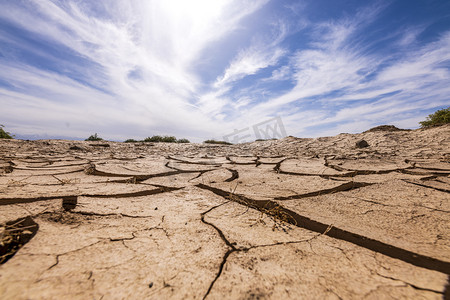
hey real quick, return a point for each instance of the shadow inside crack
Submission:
(279, 212)
(447, 289)
(14, 235)
(69, 201)
(340, 188)
(234, 175)
(92, 170)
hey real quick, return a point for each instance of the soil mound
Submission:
(385, 128)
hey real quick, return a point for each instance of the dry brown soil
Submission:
(287, 219)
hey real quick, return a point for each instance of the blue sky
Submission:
(199, 69)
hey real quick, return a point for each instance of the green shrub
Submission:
(130, 141)
(154, 139)
(94, 137)
(217, 142)
(183, 141)
(169, 139)
(4, 134)
(440, 117)
(161, 139)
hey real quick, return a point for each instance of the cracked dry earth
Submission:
(287, 219)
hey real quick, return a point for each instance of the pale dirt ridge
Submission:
(288, 219)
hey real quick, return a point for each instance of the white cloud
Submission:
(409, 36)
(335, 71)
(261, 54)
(157, 41)
(249, 62)
(282, 73)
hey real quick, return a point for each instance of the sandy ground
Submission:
(287, 219)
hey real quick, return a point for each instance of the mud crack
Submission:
(69, 199)
(92, 170)
(234, 175)
(89, 213)
(275, 210)
(72, 251)
(427, 186)
(14, 235)
(410, 284)
(231, 247)
(343, 187)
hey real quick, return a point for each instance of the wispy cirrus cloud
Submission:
(249, 62)
(262, 53)
(350, 87)
(136, 60)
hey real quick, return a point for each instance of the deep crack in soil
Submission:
(14, 235)
(277, 211)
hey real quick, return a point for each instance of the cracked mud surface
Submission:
(287, 219)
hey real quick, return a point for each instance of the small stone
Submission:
(69, 202)
(150, 285)
(362, 144)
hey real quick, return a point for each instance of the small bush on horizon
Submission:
(217, 142)
(4, 134)
(439, 117)
(169, 139)
(161, 139)
(94, 137)
(154, 139)
(183, 141)
(131, 141)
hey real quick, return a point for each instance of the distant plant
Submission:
(161, 139)
(94, 137)
(154, 139)
(4, 134)
(440, 117)
(130, 141)
(169, 139)
(183, 141)
(217, 142)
